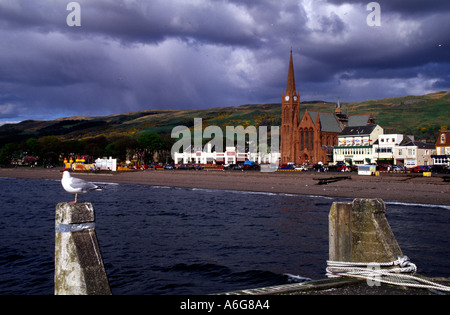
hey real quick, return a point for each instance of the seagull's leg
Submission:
(75, 199)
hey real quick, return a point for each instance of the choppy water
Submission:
(161, 240)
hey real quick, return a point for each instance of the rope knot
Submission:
(402, 275)
(402, 261)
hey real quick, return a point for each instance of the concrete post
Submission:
(360, 232)
(79, 268)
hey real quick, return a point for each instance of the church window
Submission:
(306, 139)
(301, 139)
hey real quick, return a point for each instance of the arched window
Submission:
(302, 140)
(306, 139)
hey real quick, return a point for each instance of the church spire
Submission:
(291, 78)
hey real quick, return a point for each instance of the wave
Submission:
(224, 274)
(245, 192)
(161, 187)
(410, 204)
(297, 278)
(107, 183)
(265, 193)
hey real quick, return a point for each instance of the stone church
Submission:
(310, 139)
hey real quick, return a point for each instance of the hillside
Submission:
(421, 116)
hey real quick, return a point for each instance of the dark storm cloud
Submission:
(155, 21)
(403, 7)
(405, 50)
(130, 55)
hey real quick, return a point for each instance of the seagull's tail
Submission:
(97, 187)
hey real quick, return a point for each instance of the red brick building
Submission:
(311, 138)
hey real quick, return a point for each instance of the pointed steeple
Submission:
(290, 88)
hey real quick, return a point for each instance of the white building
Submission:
(106, 164)
(370, 146)
(197, 155)
(411, 153)
(383, 148)
(355, 144)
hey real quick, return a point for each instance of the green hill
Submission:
(416, 115)
(421, 116)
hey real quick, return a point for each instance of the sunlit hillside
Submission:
(421, 116)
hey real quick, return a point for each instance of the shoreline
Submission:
(389, 187)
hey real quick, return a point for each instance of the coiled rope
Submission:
(399, 272)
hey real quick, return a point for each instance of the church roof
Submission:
(328, 121)
(358, 120)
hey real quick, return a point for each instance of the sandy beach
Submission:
(389, 187)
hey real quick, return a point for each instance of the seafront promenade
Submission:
(389, 187)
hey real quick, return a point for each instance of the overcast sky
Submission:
(131, 55)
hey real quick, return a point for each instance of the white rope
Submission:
(399, 272)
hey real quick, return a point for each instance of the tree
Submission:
(72, 148)
(8, 153)
(31, 146)
(150, 143)
(95, 146)
(119, 147)
(50, 148)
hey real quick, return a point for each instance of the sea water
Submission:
(164, 240)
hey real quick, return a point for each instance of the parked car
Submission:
(417, 169)
(318, 167)
(287, 167)
(184, 167)
(390, 168)
(140, 167)
(239, 166)
(441, 169)
(345, 168)
(446, 169)
(341, 167)
(168, 167)
(333, 168)
(426, 168)
(398, 168)
(250, 167)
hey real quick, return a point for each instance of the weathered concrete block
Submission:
(70, 213)
(79, 268)
(360, 232)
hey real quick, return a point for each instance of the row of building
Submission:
(357, 145)
(231, 155)
(328, 138)
(369, 145)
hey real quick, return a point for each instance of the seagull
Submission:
(76, 185)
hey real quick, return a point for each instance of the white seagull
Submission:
(76, 185)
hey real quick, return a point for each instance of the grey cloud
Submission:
(403, 7)
(133, 55)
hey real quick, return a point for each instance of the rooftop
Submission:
(358, 130)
